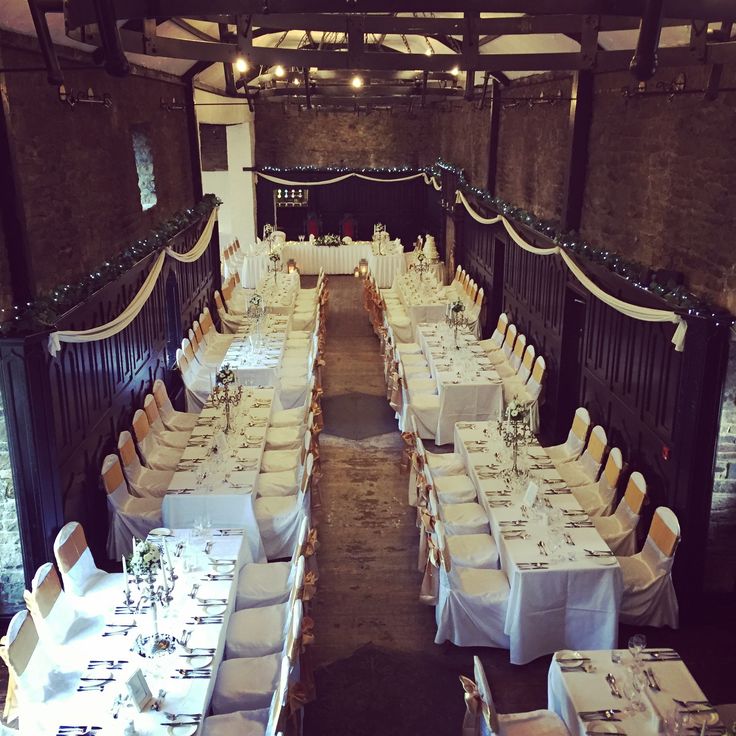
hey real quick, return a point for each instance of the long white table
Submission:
(225, 495)
(422, 298)
(468, 386)
(574, 602)
(85, 655)
(574, 691)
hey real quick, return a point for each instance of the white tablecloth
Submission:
(385, 268)
(573, 604)
(436, 270)
(422, 298)
(569, 693)
(225, 496)
(95, 708)
(468, 386)
(255, 267)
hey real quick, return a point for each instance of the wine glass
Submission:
(301, 238)
(637, 644)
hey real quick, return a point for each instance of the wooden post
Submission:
(493, 137)
(581, 113)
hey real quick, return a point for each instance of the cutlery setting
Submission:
(661, 655)
(532, 565)
(611, 680)
(606, 714)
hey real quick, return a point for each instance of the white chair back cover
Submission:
(518, 353)
(527, 362)
(509, 341)
(144, 438)
(52, 613)
(163, 402)
(500, 332)
(534, 384)
(75, 561)
(278, 702)
(490, 716)
(592, 459)
(131, 462)
(300, 541)
(153, 415)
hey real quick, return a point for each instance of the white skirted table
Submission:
(61, 707)
(468, 386)
(574, 690)
(219, 486)
(569, 603)
(422, 298)
(255, 265)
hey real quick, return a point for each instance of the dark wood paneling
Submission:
(92, 389)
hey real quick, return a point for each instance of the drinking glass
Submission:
(301, 238)
(637, 644)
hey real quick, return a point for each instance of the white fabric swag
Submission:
(102, 332)
(289, 183)
(646, 314)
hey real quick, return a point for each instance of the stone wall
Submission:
(12, 582)
(77, 169)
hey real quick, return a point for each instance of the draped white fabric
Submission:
(120, 322)
(646, 314)
(433, 181)
(335, 180)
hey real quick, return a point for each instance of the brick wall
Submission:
(532, 146)
(77, 170)
(661, 180)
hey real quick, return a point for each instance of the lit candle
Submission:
(125, 578)
(168, 555)
(163, 575)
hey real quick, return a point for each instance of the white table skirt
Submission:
(421, 299)
(572, 692)
(479, 397)
(574, 604)
(436, 270)
(68, 707)
(385, 269)
(341, 259)
(255, 267)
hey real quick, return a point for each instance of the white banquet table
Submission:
(86, 655)
(224, 496)
(422, 298)
(574, 602)
(255, 265)
(576, 691)
(468, 386)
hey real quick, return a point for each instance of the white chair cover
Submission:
(145, 483)
(575, 442)
(174, 420)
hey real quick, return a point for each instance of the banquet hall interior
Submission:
(367, 368)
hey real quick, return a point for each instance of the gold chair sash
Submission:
(310, 586)
(68, 554)
(113, 477)
(596, 447)
(41, 600)
(665, 539)
(473, 707)
(611, 472)
(634, 496)
(580, 428)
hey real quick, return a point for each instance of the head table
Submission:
(565, 583)
(84, 688)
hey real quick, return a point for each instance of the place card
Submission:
(140, 693)
(530, 496)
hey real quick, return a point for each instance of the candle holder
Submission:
(421, 266)
(274, 264)
(456, 317)
(514, 431)
(225, 394)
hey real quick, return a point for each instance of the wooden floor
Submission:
(379, 671)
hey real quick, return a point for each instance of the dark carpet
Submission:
(357, 416)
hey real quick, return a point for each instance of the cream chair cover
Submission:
(129, 516)
(177, 421)
(144, 482)
(80, 575)
(153, 455)
(511, 367)
(459, 518)
(619, 530)
(587, 469)
(575, 442)
(514, 385)
(197, 387)
(597, 498)
(167, 437)
(504, 354)
(471, 605)
(495, 341)
(649, 597)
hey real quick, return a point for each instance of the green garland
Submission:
(42, 312)
(632, 271)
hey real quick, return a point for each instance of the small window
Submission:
(144, 166)
(213, 143)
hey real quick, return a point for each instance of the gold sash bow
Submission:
(473, 707)
(310, 586)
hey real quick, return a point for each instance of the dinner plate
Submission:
(213, 609)
(604, 561)
(569, 658)
(183, 730)
(602, 727)
(708, 716)
(223, 568)
(199, 662)
(161, 531)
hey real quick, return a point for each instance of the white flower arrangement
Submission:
(225, 376)
(256, 300)
(146, 558)
(457, 306)
(421, 257)
(516, 411)
(328, 240)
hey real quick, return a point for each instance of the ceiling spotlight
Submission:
(357, 82)
(455, 71)
(241, 64)
(279, 71)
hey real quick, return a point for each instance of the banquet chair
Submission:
(504, 354)
(284, 482)
(291, 437)
(143, 481)
(597, 498)
(129, 516)
(213, 352)
(154, 455)
(513, 385)
(511, 367)
(279, 517)
(588, 467)
(649, 597)
(423, 405)
(255, 632)
(201, 367)
(56, 619)
(209, 331)
(471, 603)
(458, 518)
(197, 387)
(176, 421)
(33, 675)
(294, 417)
(79, 574)
(455, 488)
(261, 722)
(494, 343)
(441, 463)
(571, 448)
(481, 716)
(619, 530)
(248, 683)
(167, 437)
(230, 323)
(268, 583)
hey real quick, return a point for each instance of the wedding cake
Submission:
(430, 249)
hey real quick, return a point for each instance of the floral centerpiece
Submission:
(274, 263)
(224, 393)
(145, 560)
(420, 264)
(267, 231)
(328, 240)
(515, 429)
(225, 375)
(455, 317)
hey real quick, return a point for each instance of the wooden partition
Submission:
(658, 405)
(65, 413)
(400, 206)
